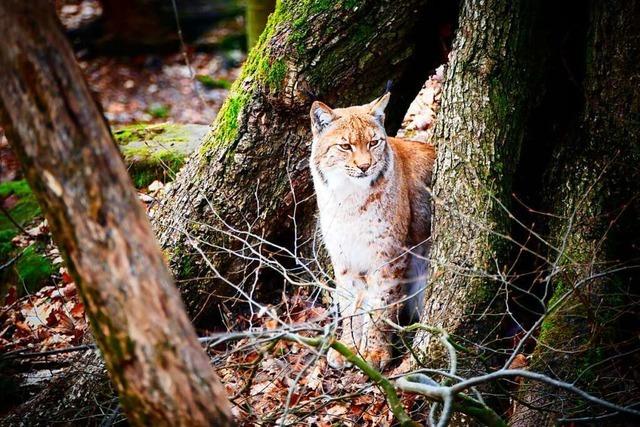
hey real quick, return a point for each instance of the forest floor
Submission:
(40, 310)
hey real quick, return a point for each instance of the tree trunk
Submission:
(138, 25)
(252, 173)
(73, 166)
(487, 94)
(596, 182)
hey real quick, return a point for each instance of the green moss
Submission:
(259, 70)
(159, 111)
(6, 247)
(19, 188)
(33, 269)
(211, 83)
(363, 33)
(300, 27)
(149, 165)
(161, 132)
(483, 292)
(262, 69)
(276, 74)
(318, 6)
(227, 127)
(155, 152)
(227, 122)
(24, 211)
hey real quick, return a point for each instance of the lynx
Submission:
(375, 211)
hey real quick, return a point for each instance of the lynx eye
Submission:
(344, 147)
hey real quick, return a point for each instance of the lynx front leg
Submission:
(383, 301)
(349, 294)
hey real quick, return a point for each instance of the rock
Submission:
(157, 151)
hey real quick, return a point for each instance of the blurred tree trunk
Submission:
(133, 25)
(73, 166)
(257, 14)
(252, 168)
(594, 183)
(488, 91)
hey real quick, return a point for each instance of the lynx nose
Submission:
(363, 167)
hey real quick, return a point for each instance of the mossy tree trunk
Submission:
(73, 166)
(489, 87)
(594, 183)
(253, 166)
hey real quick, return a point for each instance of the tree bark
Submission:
(73, 166)
(252, 168)
(595, 179)
(487, 96)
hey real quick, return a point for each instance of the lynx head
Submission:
(349, 142)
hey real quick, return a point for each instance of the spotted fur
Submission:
(375, 219)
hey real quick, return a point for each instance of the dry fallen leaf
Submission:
(519, 362)
(78, 310)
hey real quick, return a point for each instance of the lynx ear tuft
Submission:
(378, 106)
(321, 117)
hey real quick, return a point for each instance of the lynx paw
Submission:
(336, 360)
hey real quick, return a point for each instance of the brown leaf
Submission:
(66, 278)
(66, 324)
(52, 319)
(69, 290)
(12, 296)
(519, 362)
(78, 310)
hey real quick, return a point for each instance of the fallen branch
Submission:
(19, 354)
(424, 385)
(508, 373)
